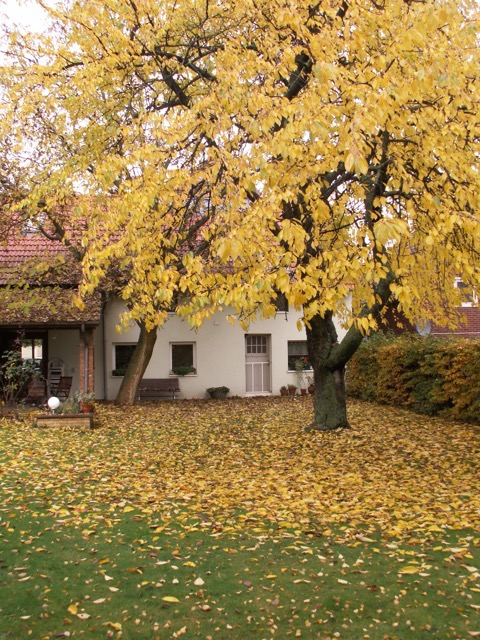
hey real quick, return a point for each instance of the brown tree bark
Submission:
(328, 363)
(329, 358)
(137, 365)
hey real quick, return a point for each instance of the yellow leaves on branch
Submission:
(356, 162)
(390, 229)
(322, 166)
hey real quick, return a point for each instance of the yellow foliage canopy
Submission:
(233, 150)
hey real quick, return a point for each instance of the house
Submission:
(39, 316)
(468, 312)
(470, 316)
(45, 323)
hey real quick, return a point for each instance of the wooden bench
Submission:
(156, 387)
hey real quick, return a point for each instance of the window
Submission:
(32, 350)
(257, 345)
(123, 355)
(183, 360)
(281, 303)
(297, 351)
(469, 295)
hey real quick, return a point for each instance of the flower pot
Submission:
(292, 390)
(311, 389)
(218, 394)
(284, 392)
(303, 392)
(87, 407)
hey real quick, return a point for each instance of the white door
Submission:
(257, 363)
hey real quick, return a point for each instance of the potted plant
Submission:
(183, 370)
(85, 401)
(70, 406)
(284, 390)
(292, 389)
(299, 371)
(218, 393)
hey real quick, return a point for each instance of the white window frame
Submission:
(114, 355)
(281, 301)
(293, 355)
(467, 303)
(194, 355)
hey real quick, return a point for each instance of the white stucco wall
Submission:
(65, 344)
(220, 351)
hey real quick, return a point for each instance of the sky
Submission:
(23, 12)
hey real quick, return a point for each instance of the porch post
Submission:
(81, 362)
(86, 360)
(91, 362)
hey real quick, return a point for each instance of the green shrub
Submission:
(15, 374)
(427, 375)
(363, 370)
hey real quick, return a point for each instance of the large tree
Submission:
(233, 151)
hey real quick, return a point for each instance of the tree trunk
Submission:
(137, 365)
(329, 401)
(328, 359)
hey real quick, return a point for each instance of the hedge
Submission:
(428, 375)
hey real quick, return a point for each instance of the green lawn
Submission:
(224, 519)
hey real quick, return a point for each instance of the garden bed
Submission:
(74, 420)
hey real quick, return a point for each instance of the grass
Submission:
(225, 520)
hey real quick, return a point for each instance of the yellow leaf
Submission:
(361, 165)
(73, 609)
(350, 162)
(410, 568)
(363, 538)
(170, 599)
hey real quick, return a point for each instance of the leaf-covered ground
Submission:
(226, 519)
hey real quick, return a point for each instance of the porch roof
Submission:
(47, 306)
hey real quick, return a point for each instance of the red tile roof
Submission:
(49, 297)
(24, 249)
(51, 306)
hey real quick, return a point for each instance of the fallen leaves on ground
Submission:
(226, 519)
(242, 464)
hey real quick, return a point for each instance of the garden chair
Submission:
(36, 391)
(62, 390)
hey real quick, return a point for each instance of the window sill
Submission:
(187, 375)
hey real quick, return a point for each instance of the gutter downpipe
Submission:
(85, 358)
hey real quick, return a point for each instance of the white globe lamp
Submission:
(53, 403)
